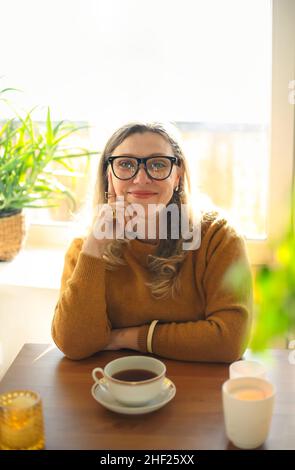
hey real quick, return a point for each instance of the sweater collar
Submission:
(141, 249)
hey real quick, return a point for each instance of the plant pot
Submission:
(12, 234)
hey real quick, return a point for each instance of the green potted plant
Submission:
(28, 152)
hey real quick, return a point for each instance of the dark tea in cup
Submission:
(134, 375)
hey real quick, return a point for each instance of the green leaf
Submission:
(49, 132)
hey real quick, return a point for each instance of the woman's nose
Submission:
(142, 176)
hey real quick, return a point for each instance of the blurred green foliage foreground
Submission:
(274, 292)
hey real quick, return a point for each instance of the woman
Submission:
(150, 294)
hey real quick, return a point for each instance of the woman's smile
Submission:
(142, 194)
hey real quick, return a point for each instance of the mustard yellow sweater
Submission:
(206, 322)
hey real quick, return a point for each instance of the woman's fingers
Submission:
(112, 199)
(118, 216)
(111, 195)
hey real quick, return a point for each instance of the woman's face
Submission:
(141, 189)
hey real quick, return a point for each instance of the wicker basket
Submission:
(12, 234)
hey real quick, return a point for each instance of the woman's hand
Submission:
(123, 338)
(95, 246)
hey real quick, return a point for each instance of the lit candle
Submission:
(21, 421)
(22, 402)
(249, 394)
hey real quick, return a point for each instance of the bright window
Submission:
(209, 66)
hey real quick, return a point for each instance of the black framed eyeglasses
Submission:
(156, 167)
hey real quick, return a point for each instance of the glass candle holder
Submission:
(21, 421)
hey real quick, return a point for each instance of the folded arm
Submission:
(223, 334)
(80, 326)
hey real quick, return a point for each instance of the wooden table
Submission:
(192, 420)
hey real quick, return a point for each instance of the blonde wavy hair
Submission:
(165, 265)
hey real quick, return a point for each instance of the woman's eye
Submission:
(126, 164)
(159, 165)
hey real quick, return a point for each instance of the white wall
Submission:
(25, 317)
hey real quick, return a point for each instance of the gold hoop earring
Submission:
(107, 195)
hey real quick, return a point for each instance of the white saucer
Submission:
(101, 394)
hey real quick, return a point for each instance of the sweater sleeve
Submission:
(223, 335)
(80, 325)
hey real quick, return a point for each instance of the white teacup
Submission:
(133, 393)
(248, 406)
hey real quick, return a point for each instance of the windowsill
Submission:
(40, 263)
(34, 267)
(58, 237)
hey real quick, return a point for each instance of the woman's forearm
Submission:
(80, 325)
(221, 338)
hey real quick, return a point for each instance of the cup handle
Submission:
(97, 369)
